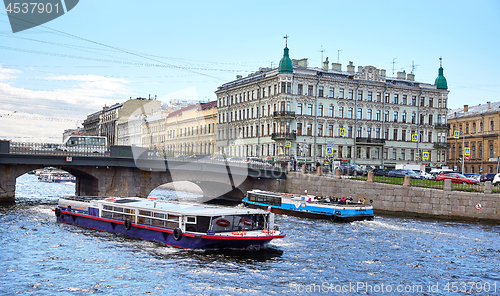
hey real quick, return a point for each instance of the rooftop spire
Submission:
(285, 63)
(441, 82)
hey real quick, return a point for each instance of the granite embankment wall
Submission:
(401, 200)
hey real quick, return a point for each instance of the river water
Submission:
(386, 256)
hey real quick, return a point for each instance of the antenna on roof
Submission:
(338, 56)
(393, 63)
(413, 67)
(322, 51)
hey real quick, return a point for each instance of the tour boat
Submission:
(308, 206)
(182, 225)
(56, 178)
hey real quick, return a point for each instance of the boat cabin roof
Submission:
(180, 208)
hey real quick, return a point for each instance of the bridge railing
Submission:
(53, 149)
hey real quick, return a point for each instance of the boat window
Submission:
(118, 209)
(202, 224)
(117, 216)
(267, 199)
(158, 223)
(129, 211)
(191, 219)
(238, 222)
(171, 225)
(173, 218)
(159, 215)
(144, 213)
(109, 208)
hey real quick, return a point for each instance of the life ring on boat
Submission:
(128, 224)
(72, 178)
(57, 212)
(58, 178)
(177, 234)
(154, 198)
(246, 221)
(223, 223)
(111, 199)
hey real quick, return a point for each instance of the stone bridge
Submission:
(125, 173)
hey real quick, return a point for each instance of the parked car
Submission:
(425, 175)
(487, 177)
(257, 161)
(380, 172)
(473, 176)
(235, 159)
(400, 173)
(457, 178)
(352, 169)
(496, 180)
(194, 157)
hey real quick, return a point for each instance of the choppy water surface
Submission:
(386, 256)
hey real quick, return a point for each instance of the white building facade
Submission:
(298, 111)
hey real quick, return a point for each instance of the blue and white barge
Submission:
(181, 225)
(308, 206)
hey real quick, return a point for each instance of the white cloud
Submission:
(31, 115)
(6, 74)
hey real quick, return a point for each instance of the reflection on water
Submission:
(41, 256)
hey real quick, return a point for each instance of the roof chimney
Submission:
(488, 104)
(466, 108)
(337, 66)
(325, 64)
(350, 67)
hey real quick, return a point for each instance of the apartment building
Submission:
(298, 111)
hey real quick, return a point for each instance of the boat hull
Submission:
(311, 215)
(165, 236)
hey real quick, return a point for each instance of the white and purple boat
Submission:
(182, 225)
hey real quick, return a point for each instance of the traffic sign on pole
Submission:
(425, 155)
(342, 132)
(288, 144)
(456, 134)
(467, 157)
(414, 137)
(466, 151)
(329, 150)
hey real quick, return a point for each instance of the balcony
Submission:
(442, 126)
(441, 145)
(284, 114)
(284, 136)
(369, 141)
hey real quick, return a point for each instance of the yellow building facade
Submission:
(191, 130)
(478, 130)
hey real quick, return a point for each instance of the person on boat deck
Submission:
(364, 201)
(342, 201)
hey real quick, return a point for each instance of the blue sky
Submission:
(104, 52)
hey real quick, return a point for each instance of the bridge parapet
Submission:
(118, 151)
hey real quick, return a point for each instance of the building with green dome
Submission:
(297, 111)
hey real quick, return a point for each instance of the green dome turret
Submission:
(285, 63)
(440, 80)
